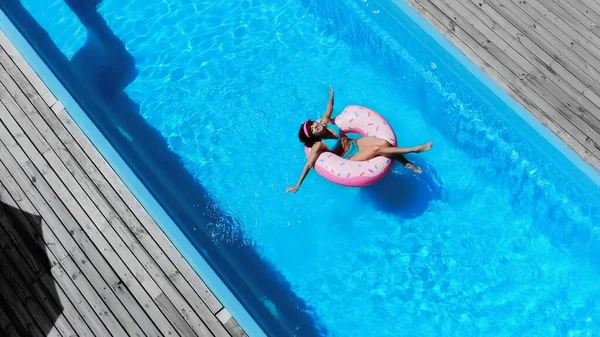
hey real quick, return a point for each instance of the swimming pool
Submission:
(204, 101)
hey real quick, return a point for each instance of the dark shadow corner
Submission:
(29, 304)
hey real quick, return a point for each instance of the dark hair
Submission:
(309, 140)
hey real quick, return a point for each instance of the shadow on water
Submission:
(404, 193)
(96, 77)
(103, 59)
(24, 276)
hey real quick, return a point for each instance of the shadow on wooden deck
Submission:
(29, 304)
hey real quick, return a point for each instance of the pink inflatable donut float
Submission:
(366, 122)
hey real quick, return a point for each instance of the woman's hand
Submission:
(326, 118)
(292, 189)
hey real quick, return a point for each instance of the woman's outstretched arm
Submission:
(316, 150)
(326, 118)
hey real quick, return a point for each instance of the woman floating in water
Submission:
(324, 135)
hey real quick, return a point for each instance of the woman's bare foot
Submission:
(413, 167)
(425, 147)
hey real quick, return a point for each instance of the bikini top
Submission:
(333, 144)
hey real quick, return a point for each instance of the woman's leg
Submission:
(385, 148)
(371, 147)
(365, 153)
(402, 159)
(371, 141)
(372, 152)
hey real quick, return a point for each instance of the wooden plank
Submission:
(175, 317)
(196, 313)
(7, 328)
(579, 115)
(234, 329)
(592, 6)
(163, 255)
(10, 168)
(573, 18)
(496, 71)
(589, 119)
(205, 294)
(14, 256)
(10, 105)
(46, 313)
(90, 207)
(579, 10)
(230, 324)
(85, 300)
(539, 46)
(168, 283)
(197, 323)
(131, 292)
(590, 91)
(558, 31)
(130, 259)
(499, 60)
(98, 331)
(5, 322)
(179, 291)
(223, 315)
(120, 250)
(69, 311)
(156, 243)
(113, 249)
(555, 39)
(564, 22)
(10, 331)
(189, 289)
(111, 291)
(561, 72)
(24, 237)
(47, 298)
(17, 312)
(51, 185)
(57, 107)
(47, 211)
(13, 97)
(41, 88)
(90, 223)
(485, 37)
(569, 109)
(91, 302)
(45, 235)
(96, 205)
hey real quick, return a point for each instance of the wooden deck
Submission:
(544, 53)
(79, 255)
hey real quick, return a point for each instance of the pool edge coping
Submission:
(130, 180)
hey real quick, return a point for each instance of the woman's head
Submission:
(310, 132)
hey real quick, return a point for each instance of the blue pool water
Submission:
(495, 238)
